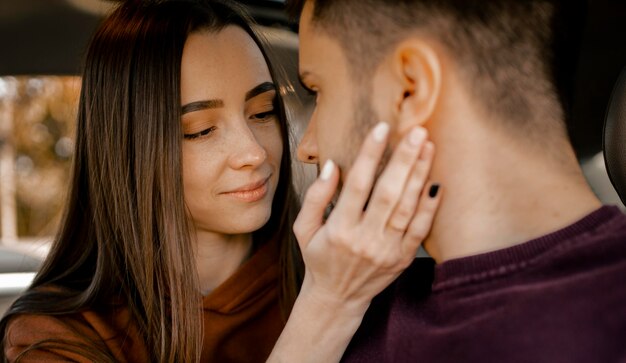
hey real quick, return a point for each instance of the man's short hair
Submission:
(506, 50)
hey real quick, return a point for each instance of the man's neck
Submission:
(497, 196)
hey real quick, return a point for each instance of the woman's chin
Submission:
(242, 223)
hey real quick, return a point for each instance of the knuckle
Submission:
(359, 251)
(358, 185)
(375, 254)
(396, 227)
(376, 260)
(407, 154)
(331, 232)
(418, 180)
(338, 235)
(386, 195)
(402, 215)
(384, 261)
(366, 253)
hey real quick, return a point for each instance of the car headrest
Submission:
(614, 141)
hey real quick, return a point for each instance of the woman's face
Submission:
(232, 146)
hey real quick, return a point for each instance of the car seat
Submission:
(614, 139)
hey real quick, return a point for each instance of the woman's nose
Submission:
(247, 151)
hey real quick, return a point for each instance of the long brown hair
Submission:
(125, 235)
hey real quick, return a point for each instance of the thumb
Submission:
(317, 198)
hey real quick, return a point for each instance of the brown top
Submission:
(242, 322)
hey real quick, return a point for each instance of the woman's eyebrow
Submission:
(262, 88)
(201, 105)
(217, 103)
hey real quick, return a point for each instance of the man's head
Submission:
(426, 62)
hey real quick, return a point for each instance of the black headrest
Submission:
(614, 142)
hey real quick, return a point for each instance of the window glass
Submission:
(37, 120)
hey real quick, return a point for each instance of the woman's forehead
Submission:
(215, 61)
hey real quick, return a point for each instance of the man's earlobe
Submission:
(419, 68)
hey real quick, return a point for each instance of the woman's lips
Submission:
(251, 192)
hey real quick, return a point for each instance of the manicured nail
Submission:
(434, 189)
(327, 170)
(380, 131)
(416, 136)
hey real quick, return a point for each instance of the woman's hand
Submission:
(367, 241)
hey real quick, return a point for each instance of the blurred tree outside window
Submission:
(37, 121)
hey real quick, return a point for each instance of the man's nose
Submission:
(307, 150)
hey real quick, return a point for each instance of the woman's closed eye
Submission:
(203, 133)
(261, 117)
(264, 116)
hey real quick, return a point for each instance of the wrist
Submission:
(320, 326)
(322, 301)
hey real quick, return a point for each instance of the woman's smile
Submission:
(250, 193)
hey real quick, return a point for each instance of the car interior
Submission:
(48, 37)
(614, 136)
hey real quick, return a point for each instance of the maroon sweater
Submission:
(558, 298)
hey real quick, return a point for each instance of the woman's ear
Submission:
(418, 67)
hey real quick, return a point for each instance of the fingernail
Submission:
(417, 136)
(434, 190)
(327, 170)
(380, 131)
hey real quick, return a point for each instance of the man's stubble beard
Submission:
(365, 118)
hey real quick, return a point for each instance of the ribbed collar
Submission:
(492, 264)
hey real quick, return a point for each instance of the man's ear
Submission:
(418, 67)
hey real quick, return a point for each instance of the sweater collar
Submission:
(255, 277)
(492, 264)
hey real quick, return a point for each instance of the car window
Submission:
(36, 133)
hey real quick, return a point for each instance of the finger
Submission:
(317, 198)
(391, 183)
(406, 208)
(421, 224)
(358, 183)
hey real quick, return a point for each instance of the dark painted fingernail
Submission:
(434, 189)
